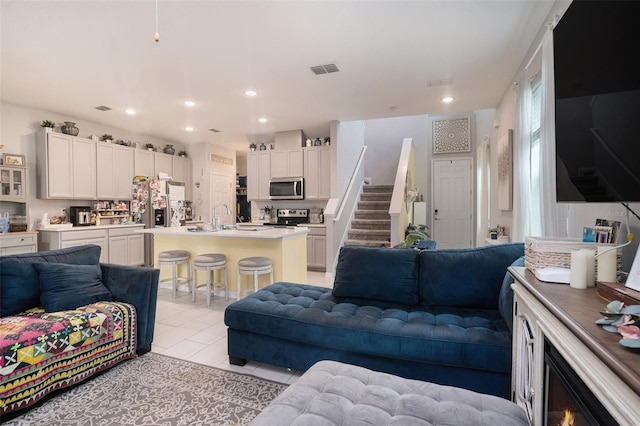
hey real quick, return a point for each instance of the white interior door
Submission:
(452, 201)
(222, 191)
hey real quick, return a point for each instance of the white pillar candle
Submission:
(607, 269)
(578, 274)
(591, 268)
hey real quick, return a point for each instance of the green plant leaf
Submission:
(610, 314)
(630, 343)
(604, 321)
(610, 328)
(631, 310)
(614, 306)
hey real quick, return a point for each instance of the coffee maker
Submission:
(188, 210)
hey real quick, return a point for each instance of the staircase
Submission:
(371, 225)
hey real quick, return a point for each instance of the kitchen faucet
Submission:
(213, 213)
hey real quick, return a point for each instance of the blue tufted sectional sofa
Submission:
(441, 316)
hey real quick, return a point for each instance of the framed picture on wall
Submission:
(13, 160)
(505, 171)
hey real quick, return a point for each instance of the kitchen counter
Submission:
(245, 232)
(286, 247)
(87, 228)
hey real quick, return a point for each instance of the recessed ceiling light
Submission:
(447, 99)
(130, 111)
(262, 119)
(190, 103)
(250, 93)
(189, 129)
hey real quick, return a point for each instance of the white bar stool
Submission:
(210, 262)
(175, 258)
(254, 266)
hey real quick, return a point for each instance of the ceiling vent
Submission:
(103, 108)
(438, 83)
(215, 130)
(324, 69)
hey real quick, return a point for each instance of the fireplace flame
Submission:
(568, 419)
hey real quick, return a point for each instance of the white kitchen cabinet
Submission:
(126, 247)
(163, 163)
(286, 163)
(317, 172)
(182, 173)
(143, 163)
(13, 183)
(66, 167)
(317, 248)
(17, 243)
(72, 237)
(114, 171)
(258, 175)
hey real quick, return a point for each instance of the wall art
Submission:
(451, 136)
(505, 171)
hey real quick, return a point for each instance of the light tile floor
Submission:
(197, 333)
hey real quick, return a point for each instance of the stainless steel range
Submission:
(292, 217)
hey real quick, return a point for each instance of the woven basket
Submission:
(545, 252)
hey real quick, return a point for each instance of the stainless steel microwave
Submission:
(286, 189)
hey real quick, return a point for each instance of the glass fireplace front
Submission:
(568, 401)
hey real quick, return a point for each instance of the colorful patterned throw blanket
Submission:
(41, 352)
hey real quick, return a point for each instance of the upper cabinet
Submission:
(13, 183)
(69, 167)
(143, 163)
(114, 171)
(258, 175)
(182, 173)
(317, 172)
(66, 167)
(286, 163)
(163, 163)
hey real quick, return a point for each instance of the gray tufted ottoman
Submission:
(333, 393)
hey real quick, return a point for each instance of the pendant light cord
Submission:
(156, 36)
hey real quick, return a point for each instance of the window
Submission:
(535, 153)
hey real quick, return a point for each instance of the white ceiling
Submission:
(71, 56)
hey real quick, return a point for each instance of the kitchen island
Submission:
(286, 247)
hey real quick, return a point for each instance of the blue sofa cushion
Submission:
(465, 278)
(67, 287)
(377, 273)
(20, 289)
(469, 338)
(505, 300)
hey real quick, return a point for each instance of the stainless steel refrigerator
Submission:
(149, 206)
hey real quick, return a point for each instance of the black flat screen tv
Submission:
(597, 102)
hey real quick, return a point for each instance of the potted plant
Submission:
(252, 146)
(106, 138)
(182, 154)
(48, 125)
(149, 146)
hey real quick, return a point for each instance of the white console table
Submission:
(566, 318)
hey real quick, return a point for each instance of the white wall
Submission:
(348, 140)
(20, 126)
(384, 137)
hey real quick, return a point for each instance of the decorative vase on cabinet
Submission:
(69, 128)
(169, 149)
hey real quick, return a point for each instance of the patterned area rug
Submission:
(157, 390)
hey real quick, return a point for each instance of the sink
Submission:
(248, 228)
(201, 230)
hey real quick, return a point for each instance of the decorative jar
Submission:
(69, 128)
(169, 149)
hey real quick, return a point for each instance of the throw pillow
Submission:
(390, 275)
(19, 286)
(66, 287)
